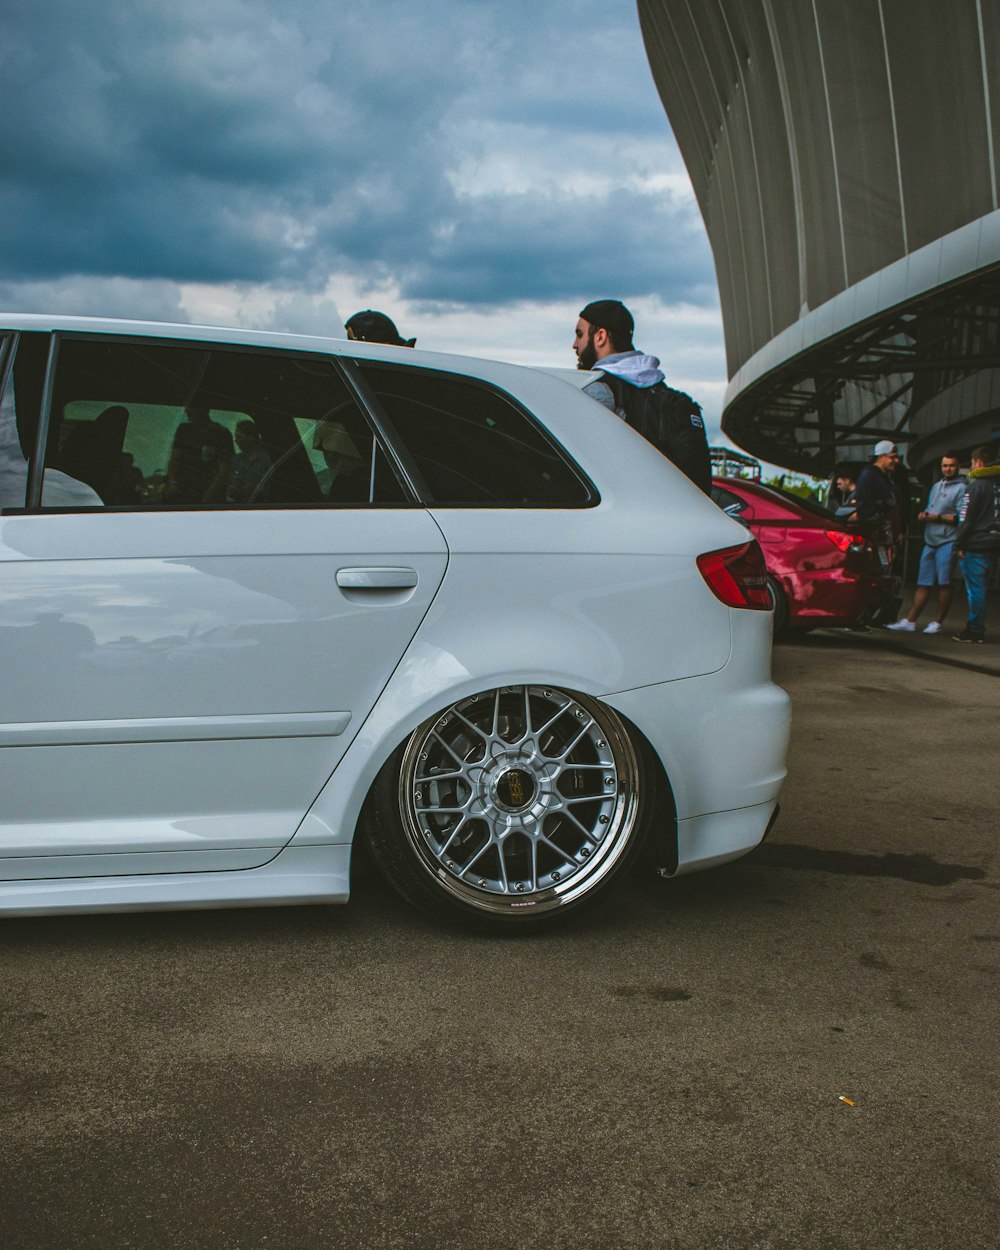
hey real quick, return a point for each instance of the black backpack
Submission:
(668, 419)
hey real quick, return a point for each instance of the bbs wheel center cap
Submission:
(515, 789)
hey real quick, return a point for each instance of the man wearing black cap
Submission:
(633, 386)
(375, 327)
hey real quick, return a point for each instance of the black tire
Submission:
(780, 605)
(512, 809)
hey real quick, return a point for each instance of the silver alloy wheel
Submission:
(520, 797)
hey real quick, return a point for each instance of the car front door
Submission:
(182, 671)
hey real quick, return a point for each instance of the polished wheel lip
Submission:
(472, 780)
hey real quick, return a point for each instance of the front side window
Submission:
(139, 424)
(472, 445)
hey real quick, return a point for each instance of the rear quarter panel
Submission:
(600, 600)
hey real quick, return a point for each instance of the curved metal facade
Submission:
(844, 156)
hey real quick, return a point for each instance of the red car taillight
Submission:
(737, 576)
(841, 539)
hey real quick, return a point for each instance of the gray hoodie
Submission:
(633, 367)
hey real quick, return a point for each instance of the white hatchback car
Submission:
(261, 594)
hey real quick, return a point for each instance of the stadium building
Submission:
(844, 155)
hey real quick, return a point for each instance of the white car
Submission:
(261, 595)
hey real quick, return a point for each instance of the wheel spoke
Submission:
(563, 855)
(502, 860)
(448, 747)
(490, 845)
(453, 835)
(427, 778)
(587, 833)
(543, 729)
(576, 741)
(474, 727)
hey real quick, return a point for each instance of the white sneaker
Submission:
(933, 628)
(905, 625)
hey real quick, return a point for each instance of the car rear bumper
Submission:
(722, 739)
(717, 837)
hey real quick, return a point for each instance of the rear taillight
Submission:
(737, 576)
(841, 539)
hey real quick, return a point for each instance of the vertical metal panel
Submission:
(717, 81)
(727, 214)
(989, 37)
(692, 82)
(937, 83)
(861, 120)
(799, 52)
(765, 171)
(686, 88)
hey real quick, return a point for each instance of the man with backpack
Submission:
(977, 539)
(633, 386)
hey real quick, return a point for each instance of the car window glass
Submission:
(727, 501)
(19, 412)
(472, 444)
(13, 462)
(142, 424)
(807, 504)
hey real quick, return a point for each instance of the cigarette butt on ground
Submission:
(844, 1098)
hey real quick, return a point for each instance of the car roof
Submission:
(326, 344)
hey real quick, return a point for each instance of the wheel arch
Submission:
(783, 601)
(411, 697)
(337, 815)
(660, 850)
(533, 846)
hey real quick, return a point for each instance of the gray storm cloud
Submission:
(244, 141)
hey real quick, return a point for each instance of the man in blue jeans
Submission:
(940, 518)
(977, 539)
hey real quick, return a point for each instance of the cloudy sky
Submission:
(477, 170)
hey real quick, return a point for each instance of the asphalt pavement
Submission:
(795, 1051)
(941, 648)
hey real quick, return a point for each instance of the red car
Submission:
(821, 570)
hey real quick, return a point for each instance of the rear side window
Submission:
(472, 445)
(139, 424)
(727, 501)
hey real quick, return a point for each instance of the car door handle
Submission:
(376, 579)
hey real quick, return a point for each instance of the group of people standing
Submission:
(961, 527)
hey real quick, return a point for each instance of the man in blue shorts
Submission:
(937, 557)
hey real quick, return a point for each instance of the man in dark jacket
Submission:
(877, 508)
(977, 539)
(874, 495)
(632, 385)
